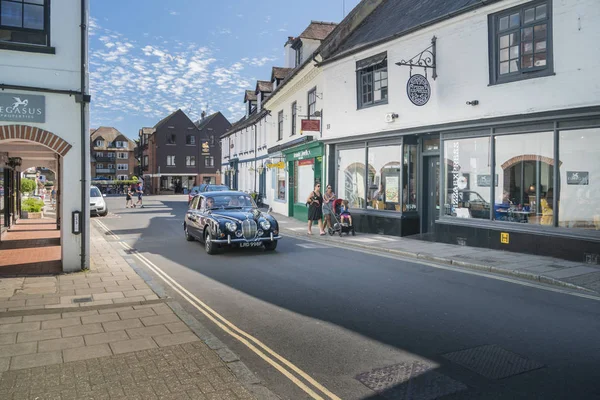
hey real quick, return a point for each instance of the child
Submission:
(345, 213)
(129, 202)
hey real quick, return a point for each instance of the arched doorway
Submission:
(32, 245)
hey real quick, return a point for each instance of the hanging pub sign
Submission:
(22, 107)
(205, 147)
(311, 125)
(418, 90)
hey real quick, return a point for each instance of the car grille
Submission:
(249, 229)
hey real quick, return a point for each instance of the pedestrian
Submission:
(140, 192)
(315, 211)
(53, 198)
(328, 200)
(128, 199)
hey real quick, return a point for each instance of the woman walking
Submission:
(315, 211)
(328, 199)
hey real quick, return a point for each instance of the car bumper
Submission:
(97, 209)
(231, 240)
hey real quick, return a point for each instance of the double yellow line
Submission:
(309, 385)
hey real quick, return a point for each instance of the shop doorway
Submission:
(431, 194)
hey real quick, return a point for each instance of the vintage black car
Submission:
(229, 218)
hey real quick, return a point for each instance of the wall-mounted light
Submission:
(319, 96)
(473, 102)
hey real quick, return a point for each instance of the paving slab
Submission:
(571, 272)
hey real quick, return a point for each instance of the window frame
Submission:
(370, 71)
(211, 159)
(299, 55)
(190, 161)
(494, 44)
(173, 161)
(190, 140)
(25, 46)
(294, 116)
(280, 125)
(122, 167)
(171, 139)
(312, 92)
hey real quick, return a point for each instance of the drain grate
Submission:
(82, 300)
(414, 380)
(493, 361)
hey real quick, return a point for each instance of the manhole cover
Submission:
(492, 361)
(82, 300)
(414, 380)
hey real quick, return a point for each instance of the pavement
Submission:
(554, 271)
(106, 333)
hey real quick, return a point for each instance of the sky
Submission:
(149, 57)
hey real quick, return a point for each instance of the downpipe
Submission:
(84, 148)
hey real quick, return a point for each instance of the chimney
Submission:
(203, 115)
(290, 54)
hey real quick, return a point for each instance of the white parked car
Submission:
(97, 204)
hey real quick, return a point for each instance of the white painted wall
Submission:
(58, 71)
(463, 74)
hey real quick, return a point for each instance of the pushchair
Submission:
(340, 224)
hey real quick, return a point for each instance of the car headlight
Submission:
(231, 226)
(266, 225)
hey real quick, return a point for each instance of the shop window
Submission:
(579, 200)
(24, 21)
(3, 193)
(383, 187)
(409, 179)
(351, 178)
(372, 80)
(466, 167)
(525, 178)
(281, 183)
(521, 42)
(304, 179)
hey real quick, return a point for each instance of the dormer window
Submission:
(99, 143)
(299, 55)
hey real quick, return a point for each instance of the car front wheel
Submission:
(270, 246)
(209, 246)
(104, 214)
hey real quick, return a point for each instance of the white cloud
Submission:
(173, 12)
(157, 76)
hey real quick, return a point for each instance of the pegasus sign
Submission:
(22, 107)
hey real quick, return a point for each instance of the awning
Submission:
(371, 61)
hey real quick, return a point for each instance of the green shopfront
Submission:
(305, 169)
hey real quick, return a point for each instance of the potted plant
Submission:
(32, 209)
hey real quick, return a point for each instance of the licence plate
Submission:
(250, 244)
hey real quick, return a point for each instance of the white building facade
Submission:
(44, 112)
(490, 139)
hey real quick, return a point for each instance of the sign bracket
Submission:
(425, 60)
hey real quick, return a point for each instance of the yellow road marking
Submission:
(228, 327)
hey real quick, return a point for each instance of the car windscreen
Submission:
(229, 202)
(94, 192)
(196, 189)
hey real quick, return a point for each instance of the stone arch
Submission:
(37, 135)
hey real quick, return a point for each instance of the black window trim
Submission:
(313, 90)
(29, 47)
(294, 116)
(493, 45)
(359, 68)
(280, 125)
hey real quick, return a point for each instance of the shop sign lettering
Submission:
(280, 165)
(418, 90)
(302, 154)
(455, 173)
(578, 178)
(22, 107)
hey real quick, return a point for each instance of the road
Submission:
(336, 314)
